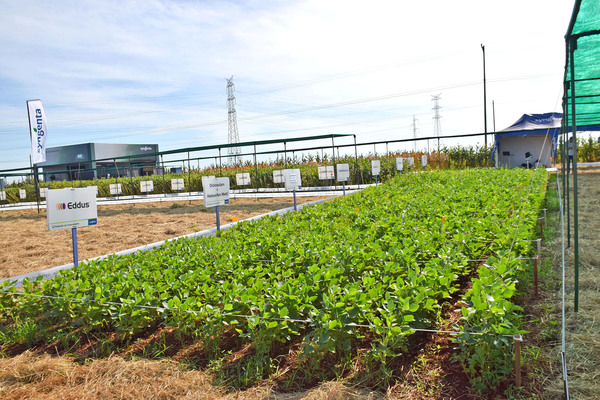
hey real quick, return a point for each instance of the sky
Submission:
(155, 71)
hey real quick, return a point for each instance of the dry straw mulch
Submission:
(582, 328)
(45, 377)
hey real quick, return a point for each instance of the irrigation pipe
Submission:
(418, 261)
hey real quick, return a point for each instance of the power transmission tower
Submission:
(233, 136)
(414, 128)
(437, 125)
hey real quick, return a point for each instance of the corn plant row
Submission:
(380, 263)
(261, 175)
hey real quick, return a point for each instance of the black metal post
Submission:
(484, 99)
(572, 48)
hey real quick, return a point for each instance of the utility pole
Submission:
(484, 99)
(494, 115)
(232, 137)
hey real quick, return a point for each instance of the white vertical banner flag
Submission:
(38, 130)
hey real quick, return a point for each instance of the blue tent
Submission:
(532, 140)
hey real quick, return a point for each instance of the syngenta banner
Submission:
(38, 130)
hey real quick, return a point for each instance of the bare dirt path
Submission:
(26, 245)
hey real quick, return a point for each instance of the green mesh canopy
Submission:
(583, 63)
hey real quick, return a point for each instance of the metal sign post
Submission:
(216, 193)
(293, 182)
(71, 208)
(218, 218)
(74, 240)
(343, 174)
(376, 169)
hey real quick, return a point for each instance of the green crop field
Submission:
(374, 267)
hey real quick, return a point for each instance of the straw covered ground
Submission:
(46, 377)
(582, 328)
(28, 246)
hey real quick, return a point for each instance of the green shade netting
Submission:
(584, 36)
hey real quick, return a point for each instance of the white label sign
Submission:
(292, 179)
(424, 160)
(177, 184)
(71, 208)
(146, 186)
(43, 192)
(399, 164)
(2, 196)
(411, 161)
(216, 191)
(115, 188)
(343, 172)
(96, 189)
(22, 194)
(278, 176)
(326, 172)
(375, 167)
(242, 179)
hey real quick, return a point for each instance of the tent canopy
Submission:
(536, 134)
(536, 121)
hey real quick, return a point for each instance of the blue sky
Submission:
(154, 71)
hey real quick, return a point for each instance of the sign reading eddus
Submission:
(71, 208)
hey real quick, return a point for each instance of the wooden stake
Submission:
(535, 277)
(518, 340)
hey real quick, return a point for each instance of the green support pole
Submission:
(255, 170)
(572, 48)
(164, 187)
(333, 156)
(357, 168)
(189, 175)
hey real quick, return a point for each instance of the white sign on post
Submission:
(399, 164)
(424, 160)
(411, 161)
(278, 176)
(326, 172)
(216, 191)
(71, 208)
(343, 172)
(292, 179)
(2, 195)
(43, 192)
(375, 167)
(177, 184)
(242, 179)
(115, 188)
(22, 194)
(146, 186)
